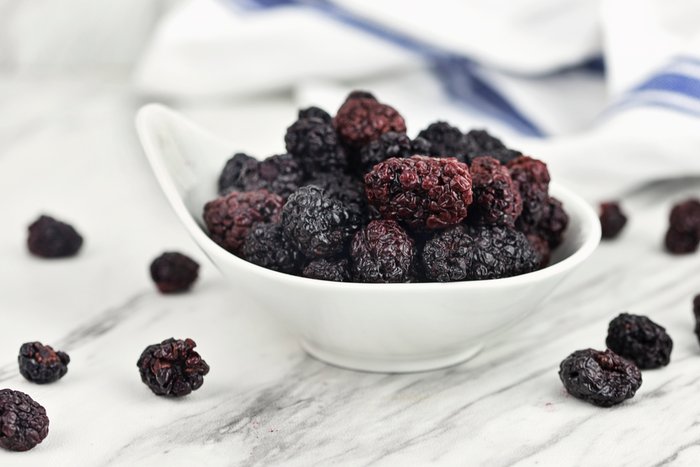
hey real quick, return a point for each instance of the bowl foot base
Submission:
(390, 364)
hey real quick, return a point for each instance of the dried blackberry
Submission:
(382, 252)
(23, 421)
(315, 112)
(553, 223)
(685, 217)
(601, 378)
(531, 177)
(696, 314)
(318, 225)
(337, 270)
(541, 247)
(683, 234)
(478, 253)
(172, 368)
(230, 217)
(173, 272)
(359, 94)
(639, 339)
(50, 238)
(420, 146)
(503, 156)
(445, 140)
(496, 199)
(267, 246)
(280, 174)
(481, 143)
(346, 189)
(314, 144)
(388, 145)
(41, 364)
(423, 192)
(363, 119)
(680, 243)
(236, 173)
(612, 219)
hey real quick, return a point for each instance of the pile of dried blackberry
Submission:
(357, 199)
(607, 378)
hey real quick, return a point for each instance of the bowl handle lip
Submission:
(150, 114)
(148, 118)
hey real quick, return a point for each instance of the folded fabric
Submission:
(524, 68)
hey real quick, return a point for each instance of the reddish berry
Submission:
(173, 272)
(496, 199)
(423, 192)
(531, 177)
(230, 217)
(612, 219)
(362, 119)
(41, 364)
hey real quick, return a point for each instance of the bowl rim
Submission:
(574, 203)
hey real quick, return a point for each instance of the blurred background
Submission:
(570, 81)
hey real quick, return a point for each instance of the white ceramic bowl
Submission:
(373, 327)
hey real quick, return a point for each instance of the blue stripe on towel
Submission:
(674, 87)
(458, 74)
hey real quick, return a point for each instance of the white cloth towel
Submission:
(525, 69)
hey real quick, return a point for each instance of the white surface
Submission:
(265, 402)
(68, 147)
(375, 327)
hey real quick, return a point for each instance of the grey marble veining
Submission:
(266, 402)
(68, 148)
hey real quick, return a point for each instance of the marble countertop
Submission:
(68, 148)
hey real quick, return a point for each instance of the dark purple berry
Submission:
(173, 272)
(685, 216)
(360, 94)
(541, 247)
(382, 252)
(172, 368)
(553, 223)
(422, 192)
(337, 270)
(317, 225)
(50, 238)
(23, 421)
(363, 119)
(388, 145)
(445, 140)
(315, 112)
(279, 174)
(267, 246)
(314, 144)
(601, 378)
(683, 234)
(41, 364)
(696, 314)
(230, 217)
(236, 173)
(496, 199)
(420, 146)
(478, 253)
(531, 178)
(639, 339)
(680, 243)
(344, 188)
(612, 219)
(479, 143)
